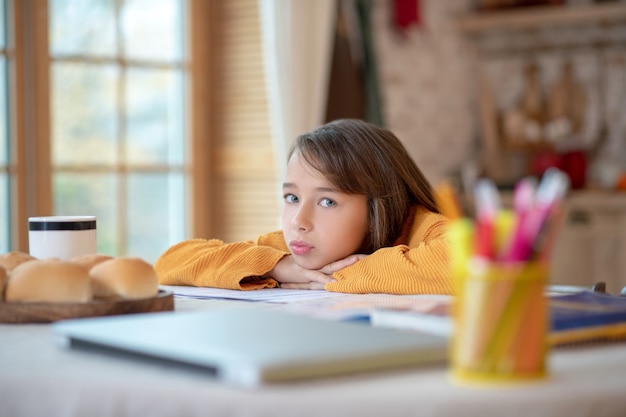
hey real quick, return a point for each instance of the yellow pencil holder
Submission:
(500, 323)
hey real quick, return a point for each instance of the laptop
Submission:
(252, 347)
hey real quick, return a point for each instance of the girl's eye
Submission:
(327, 202)
(290, 198)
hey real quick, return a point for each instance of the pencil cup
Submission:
(500, 323)
(62, 237)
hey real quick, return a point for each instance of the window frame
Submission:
(29, 188)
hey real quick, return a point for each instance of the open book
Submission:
(585, 316)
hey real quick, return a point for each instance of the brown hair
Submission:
(361, 158)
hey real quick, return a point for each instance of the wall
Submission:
(433, 99)
(428, 85)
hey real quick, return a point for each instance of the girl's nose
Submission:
(301, 220)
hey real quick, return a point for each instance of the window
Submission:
(149, 114)
(117, 98)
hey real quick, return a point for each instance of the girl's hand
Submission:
(292, 276)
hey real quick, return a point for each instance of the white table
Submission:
(37, 378)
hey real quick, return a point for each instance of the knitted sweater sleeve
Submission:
(419, 267)
(213, 263)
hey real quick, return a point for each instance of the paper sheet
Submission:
(268, 295)
(318, 303)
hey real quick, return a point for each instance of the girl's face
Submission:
(321, 224)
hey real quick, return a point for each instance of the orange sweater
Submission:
(418, 264)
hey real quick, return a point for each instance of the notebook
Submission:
(251, 347)
(587, 317)
(580, 317)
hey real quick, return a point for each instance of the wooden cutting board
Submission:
(23, 312)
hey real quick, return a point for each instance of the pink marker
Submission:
(523, 201)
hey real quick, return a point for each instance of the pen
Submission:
(459, 235)
(546, 234)
(505, 223)
(550, 192)
(523, 200)
(487, 201)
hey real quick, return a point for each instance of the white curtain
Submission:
(297, 47)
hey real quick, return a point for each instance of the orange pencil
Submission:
(447, 200)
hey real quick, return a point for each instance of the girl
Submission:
(359, 217)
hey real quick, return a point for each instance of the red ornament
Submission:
(406, 13)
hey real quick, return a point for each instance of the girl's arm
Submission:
(421, 266)
(398, 270)
(212, 263)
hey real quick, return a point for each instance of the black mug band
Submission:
(72, 225)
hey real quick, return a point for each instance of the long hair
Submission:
(361, 158)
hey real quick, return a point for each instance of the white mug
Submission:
(62, 237)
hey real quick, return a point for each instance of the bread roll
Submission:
(124, 277)
(12, 259)
(3, 279)
(90, 260)
(49, 281)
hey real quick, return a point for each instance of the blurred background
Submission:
(170, 119)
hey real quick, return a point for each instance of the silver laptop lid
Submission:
(248, 347)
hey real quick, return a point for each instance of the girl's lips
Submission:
(299, 247)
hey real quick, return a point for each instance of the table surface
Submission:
(37, 377)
